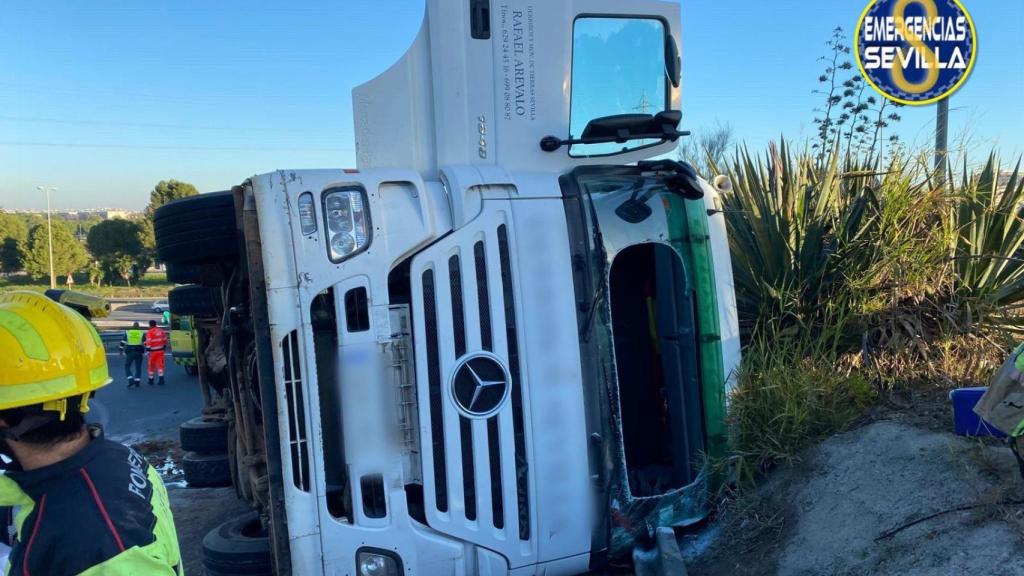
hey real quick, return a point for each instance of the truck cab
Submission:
(501, 344)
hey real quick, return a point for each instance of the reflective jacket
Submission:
(156, 340)
(103, 511)
(133, 340)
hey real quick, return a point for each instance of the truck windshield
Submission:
(618, 67)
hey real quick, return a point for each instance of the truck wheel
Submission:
(238, 546)
(204, 436)
(206, 470)
(196, 229)
(198, 301)
(184, 273)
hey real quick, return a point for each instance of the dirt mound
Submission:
(831, 513)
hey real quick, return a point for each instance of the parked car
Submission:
(85, 304)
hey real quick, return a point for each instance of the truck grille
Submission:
(297, 441)
(476, 476)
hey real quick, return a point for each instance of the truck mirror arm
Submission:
(553, 143)
(622, 128)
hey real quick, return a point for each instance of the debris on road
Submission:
(165, 456)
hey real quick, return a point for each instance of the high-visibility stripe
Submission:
(14, 393)
(26, 335)
(11, 495)
(99, 375)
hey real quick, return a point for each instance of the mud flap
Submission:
(664, 559)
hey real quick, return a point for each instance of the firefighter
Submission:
(156, 343)
(80, 503)
(132, 347)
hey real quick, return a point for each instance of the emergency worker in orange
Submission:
(156, 344)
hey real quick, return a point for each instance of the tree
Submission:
(125, 267)
(707, 149)
(112, 236)
(95, 272)
(120, 245)
(13, 235)
(69, 255)
(166, 191)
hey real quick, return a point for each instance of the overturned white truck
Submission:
(501, 344)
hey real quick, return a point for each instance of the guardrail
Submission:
(111, 339)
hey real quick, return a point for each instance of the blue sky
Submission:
(105, 98)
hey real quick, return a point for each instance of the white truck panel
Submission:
(444, 102)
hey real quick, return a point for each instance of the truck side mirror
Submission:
(625, 127)
(673, 63)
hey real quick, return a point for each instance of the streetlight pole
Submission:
(49, 230)
(941, 140)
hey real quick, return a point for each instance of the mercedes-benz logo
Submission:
(480, 385)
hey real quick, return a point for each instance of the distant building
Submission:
(101, 213)
(115, 214)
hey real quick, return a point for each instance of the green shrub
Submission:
(850, 280)
(890, 248)
(788, 395)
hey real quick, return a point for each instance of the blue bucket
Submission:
(965, 421)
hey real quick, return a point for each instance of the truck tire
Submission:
(206, 470)
(184, 273)
(238, 546)
(198, 301)
(204, 436)
(196, 229)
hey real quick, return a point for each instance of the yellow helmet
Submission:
(50, 354)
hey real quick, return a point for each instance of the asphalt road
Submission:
(148, 412)
(148, 418)
(123, 315)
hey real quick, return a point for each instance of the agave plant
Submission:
(792, 226)
(986, 248)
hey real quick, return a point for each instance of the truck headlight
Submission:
(307, 214)
(371, 562)
(347, 222)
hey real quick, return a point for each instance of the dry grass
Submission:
(153, 285)
(786, 398)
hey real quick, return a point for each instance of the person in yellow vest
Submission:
(133, 349)
(79, 503)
